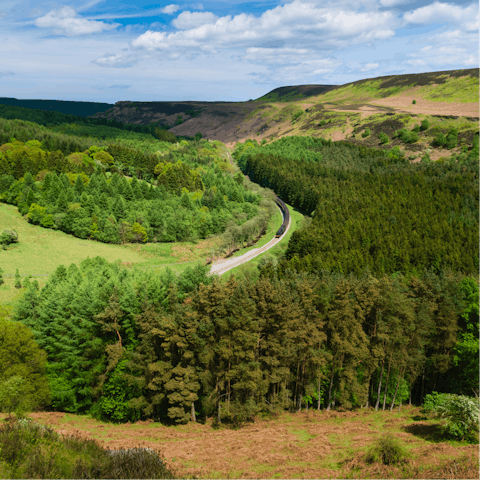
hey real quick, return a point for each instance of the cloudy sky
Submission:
(110, 50)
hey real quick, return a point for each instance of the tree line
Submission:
(129, 344)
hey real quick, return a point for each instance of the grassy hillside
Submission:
(449, 86)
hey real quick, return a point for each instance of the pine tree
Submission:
(18, 283)
(79, 186)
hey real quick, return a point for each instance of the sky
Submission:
(110, 50)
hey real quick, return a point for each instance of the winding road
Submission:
(226, 264)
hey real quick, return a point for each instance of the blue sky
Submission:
(106, 51)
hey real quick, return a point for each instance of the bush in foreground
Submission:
(387, 451)
(31, 450)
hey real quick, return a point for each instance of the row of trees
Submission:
(371, 209)
(129, 344)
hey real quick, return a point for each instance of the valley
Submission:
(146, 300)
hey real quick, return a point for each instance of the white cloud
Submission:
(438, 12)
(170, 9)
(291, 41)
(369, 66)
(65, 21)
(188, 20)
(116, 61)
(472, 60)
(297, 22)
(393, 3)
(444, 52)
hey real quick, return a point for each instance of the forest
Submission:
(375, 302)
(129, 344)
(90, 195)
(371, 209)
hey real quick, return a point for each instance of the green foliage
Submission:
(117, 392)
(440, 140)
(175, 176)
(296, 115)
(115, 210)
(198, 136)
(366, 133)
(18, 283)
(372, 208)
(414, 102)
(14, 396)
(461, 413)
(383, 137)
(387, 450)
(425, 125)
(8, 237)
(452, 138)
(23, 383)
(36, 213)
(466, 351)
(406, 136)
(2, 281)
(165, 136)
(31, 450)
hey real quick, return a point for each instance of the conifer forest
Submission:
(374, 302)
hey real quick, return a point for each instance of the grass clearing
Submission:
(40, 251)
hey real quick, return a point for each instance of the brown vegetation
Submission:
(309, 444)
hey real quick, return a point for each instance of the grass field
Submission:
(40, 251)
(313, 444)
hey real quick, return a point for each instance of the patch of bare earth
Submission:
(404, 102)
(304, 445)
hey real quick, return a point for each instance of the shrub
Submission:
(383, 137)
(452, 138)
(8, 236)
(2, 281)
(18, 283)
(416, 128)
(426, 158)
(406, 136)
(413, 137)
(440, 140)
(366, 133)
(387, 450)
(31, 450)
(425, 125)
(414, 102)
(459, 412)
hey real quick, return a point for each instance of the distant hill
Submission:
(333, 111)
(81, 109)
(297, 92)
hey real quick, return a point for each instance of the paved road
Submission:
(227, 264)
